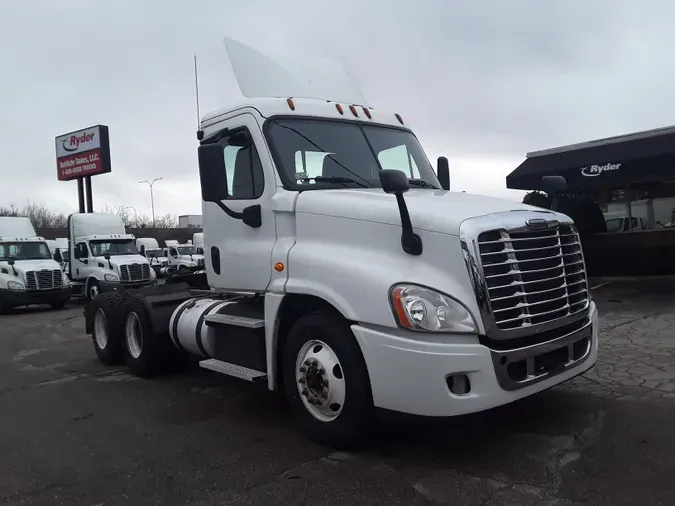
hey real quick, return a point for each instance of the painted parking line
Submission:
(600, 285)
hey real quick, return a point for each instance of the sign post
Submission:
(80, 155)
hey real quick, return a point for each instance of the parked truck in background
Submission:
(99, 251)
(344, 272)
(198, 242)
(28, 273)
(149, 248)
(183, 257)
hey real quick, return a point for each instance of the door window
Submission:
(81, 251)
(243, 167)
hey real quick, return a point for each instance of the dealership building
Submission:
(631, 178)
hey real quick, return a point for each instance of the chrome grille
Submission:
(533, 277)
(135, 272)
(46, 279)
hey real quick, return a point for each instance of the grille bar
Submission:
(135, 272)
(532, 277)
(45, 279)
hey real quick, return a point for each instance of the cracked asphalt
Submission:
(73, 431)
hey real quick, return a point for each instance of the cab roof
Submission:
(275, 84)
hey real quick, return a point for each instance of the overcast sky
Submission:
(482, 82)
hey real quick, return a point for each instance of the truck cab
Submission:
(183, 257)
(28, 273)
(100, 251)
(149, 248)
(198, 242)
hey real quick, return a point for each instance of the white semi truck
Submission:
(183, 257)
(149, 248)
(198, 242)
(99, 251)
(345, 274)
(28, 273)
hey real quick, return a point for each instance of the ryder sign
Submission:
(83, 153)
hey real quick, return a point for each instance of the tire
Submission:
(146, 353)
(106, 314)
(351, 425)
(93, 290)
(58, 305)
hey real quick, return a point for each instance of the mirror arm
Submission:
(229, 212)
(410, 241)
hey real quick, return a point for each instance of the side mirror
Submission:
(106, 256)
(11, 261)
(212, 175)
(443, 170)
(142, 252)
(553, 184)
(394, 181)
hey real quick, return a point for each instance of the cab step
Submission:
(234, 370)
(214, 320)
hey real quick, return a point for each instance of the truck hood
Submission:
(118, 260)
(431, 210)
(23, 266)
(195, 258)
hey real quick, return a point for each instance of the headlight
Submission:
(15, 285)
(111, 277)
(153, 274)
(419, 308)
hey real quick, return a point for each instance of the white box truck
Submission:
(28, 273)
(345, 274)
(100, 250)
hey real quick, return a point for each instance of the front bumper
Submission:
(13, 298)
(410, 375)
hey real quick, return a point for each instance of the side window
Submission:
(243, 167)
(81, 250)
(399, 158)
(173, 252)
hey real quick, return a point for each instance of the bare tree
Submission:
(40, 216)
(166, 221)
(121, 211)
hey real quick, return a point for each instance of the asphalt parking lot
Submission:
(73, 431)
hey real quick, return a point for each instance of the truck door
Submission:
(238, 256)
(81, 267)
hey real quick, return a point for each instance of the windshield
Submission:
(113, 247)
(24, 251)
(186, 250)
(152, 253)
(352, 153)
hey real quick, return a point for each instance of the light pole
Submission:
(152, 197)
(135, 213)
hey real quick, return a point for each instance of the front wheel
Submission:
(92, 289)
(327, 382)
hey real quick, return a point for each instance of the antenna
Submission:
(200, 133)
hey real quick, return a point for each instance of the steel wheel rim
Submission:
(320, 380)
(101, 329)
(134, 335)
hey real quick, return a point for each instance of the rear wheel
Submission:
(148, 353)
(327, 382)
(107, 315)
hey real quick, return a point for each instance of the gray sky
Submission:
(482, 82)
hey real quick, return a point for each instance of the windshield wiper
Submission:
(421, 183)
(334, 179)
